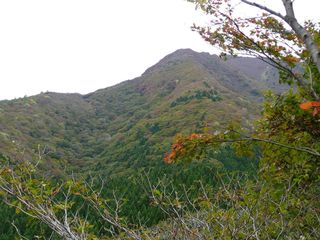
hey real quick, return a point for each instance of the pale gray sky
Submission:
(81, 45)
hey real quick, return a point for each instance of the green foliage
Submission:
(284, 122)
(242, 207)
(199, 94)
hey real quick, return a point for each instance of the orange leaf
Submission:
(168, 158)
(308, 105)
(194, 136)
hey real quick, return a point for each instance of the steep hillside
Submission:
(131, 125)
(259, 71)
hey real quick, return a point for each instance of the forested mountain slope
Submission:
(126, 129)
(131, 125)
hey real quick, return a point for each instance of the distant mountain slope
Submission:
(131, 125)
(260, 71)
(56, 122)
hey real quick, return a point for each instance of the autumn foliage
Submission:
(308, 105)
(267, 35)
(182, 146)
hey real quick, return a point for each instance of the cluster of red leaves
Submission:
(194, 136)
(315, 105)
(178, 148)
(175, 148)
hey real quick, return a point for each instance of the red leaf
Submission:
(308, 105)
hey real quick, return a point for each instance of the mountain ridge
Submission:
(132, 123)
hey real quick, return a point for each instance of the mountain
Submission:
(131, 125)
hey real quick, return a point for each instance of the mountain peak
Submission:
(183, 52)
(177, 56)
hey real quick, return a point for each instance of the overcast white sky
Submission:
(83, 45)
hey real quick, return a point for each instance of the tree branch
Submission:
(264, 8)
(302, 33)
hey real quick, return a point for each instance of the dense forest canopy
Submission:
(278, 199)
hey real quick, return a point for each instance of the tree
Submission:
(286, 134)
(281, 41)
(276, 38)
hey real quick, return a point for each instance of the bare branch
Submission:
(264, 8)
